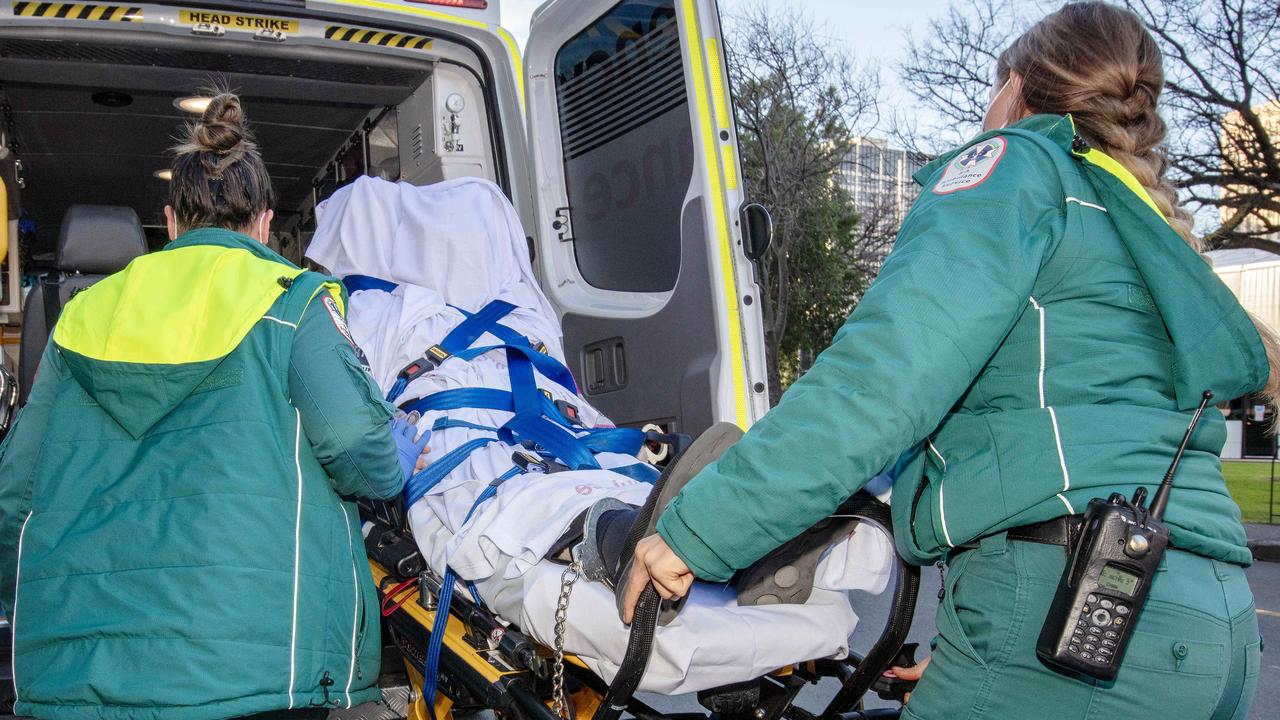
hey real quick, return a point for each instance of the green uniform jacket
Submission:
(172, 541)
(1036, 339)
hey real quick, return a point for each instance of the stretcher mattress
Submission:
(454, 247)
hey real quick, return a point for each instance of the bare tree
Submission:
(1222, 98)
(1223, 93)
(878, 226)
(798, 100)
(949, 69)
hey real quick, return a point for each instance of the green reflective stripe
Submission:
(184, 305)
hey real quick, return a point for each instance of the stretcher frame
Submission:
(486, 665)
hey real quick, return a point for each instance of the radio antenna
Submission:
(1161, 498)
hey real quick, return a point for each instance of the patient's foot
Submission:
(707, 449)
(604, 540)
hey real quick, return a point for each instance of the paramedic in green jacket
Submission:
(177, 538)
(1038, 337)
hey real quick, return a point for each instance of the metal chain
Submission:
(567, 579)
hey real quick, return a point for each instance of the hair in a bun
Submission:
(219, 178)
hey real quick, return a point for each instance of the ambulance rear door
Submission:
(638, 190)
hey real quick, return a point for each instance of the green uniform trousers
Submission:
(1196, 650)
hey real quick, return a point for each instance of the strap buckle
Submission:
(528, 461)
(434, 356)
(569, 411)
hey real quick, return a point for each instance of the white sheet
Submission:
(460, 243)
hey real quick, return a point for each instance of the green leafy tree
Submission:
(798, 101)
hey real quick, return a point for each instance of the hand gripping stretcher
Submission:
(460, 656)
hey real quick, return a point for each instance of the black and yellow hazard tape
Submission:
(78, 11)
(365, 36)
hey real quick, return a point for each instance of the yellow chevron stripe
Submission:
(366, 36)
(77, 11)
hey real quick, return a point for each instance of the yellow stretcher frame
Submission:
(476, 671)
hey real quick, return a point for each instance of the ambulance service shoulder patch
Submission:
(338, 321)
(972, 167)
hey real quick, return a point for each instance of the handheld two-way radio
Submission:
(1106, 582)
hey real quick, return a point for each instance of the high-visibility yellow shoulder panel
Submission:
(186, 305)
(335, 289)
(1113, 166)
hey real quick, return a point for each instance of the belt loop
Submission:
(994, 544)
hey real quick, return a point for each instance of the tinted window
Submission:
(628, 148)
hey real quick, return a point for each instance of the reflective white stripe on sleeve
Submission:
(13, 621)
(1053, 416)
(297, 555)
(355, 609)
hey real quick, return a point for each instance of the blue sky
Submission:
(873, 28)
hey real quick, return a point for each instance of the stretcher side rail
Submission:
(488, 665)
(906, 578)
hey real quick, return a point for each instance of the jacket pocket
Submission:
(359, 615)
(361, 377)
(950, 627)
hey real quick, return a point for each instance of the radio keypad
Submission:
(1092, 638)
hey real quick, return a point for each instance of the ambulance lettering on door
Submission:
(233, 21)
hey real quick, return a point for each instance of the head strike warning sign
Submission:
(234, 21)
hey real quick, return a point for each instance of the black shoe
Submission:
(604, 558)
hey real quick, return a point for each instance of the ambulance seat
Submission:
(94, 242)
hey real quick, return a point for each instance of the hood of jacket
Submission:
(141, 340)
(1216, 346)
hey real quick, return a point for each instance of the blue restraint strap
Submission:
(356, 283)
(547, 365)
(421, 483)
(436, 642)
(500, 331)
(461, 337)
(445, 423)
(640, 472)
(470, 330)
(431, 666)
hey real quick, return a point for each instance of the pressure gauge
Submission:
(454, 103)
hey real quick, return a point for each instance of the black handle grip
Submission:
(892, 688)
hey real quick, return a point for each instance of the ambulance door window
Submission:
(627, 142)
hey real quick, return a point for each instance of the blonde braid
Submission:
(1098, 63)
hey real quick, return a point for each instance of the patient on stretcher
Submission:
(445, 305)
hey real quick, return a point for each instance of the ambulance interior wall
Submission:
(94, 116)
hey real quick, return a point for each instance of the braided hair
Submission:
(1097, 62)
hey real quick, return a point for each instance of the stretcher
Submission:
(487, 664)
(462, 556)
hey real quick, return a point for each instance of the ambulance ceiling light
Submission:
(467, 4)
(165, 174)
(195, 104)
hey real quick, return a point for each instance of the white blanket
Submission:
(460, 243)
